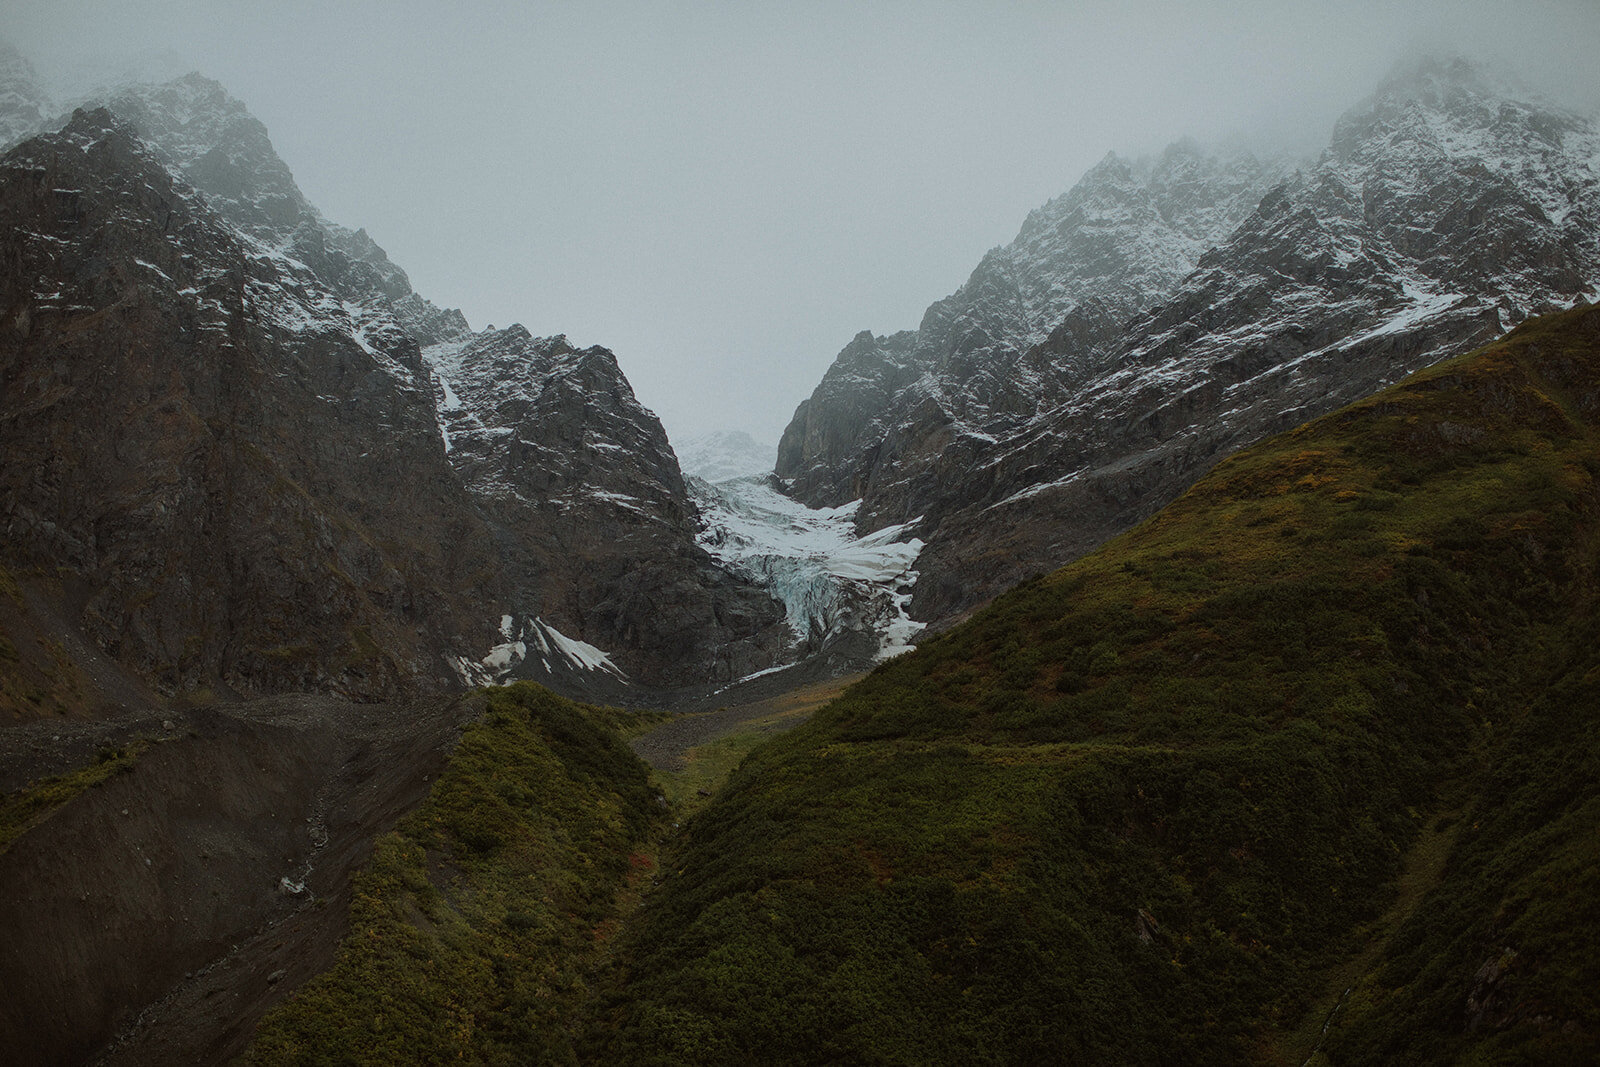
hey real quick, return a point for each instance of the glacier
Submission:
(832, 582)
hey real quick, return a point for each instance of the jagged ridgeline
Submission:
(244, 455)
(1164, 313)
(1318, 741)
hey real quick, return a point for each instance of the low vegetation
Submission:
(1148, 808)
(707, 765)
(475, 926)
(29, 806)
(1305, 769)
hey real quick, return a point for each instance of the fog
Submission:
(724, 194)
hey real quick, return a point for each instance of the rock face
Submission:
(237, 467)
(595, 524)
(219, 423)
(1445, 210)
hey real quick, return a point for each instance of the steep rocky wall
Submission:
(251, 489)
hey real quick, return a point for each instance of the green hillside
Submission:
(473, 928)
(1326, 723)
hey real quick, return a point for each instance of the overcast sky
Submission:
(724, 194)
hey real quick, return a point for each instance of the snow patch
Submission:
(554, 649)
(451, 401)
(578, 654)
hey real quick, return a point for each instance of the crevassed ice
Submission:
(811, 559)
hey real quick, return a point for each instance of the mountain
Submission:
(1306, 763)
(597, 527)
(1445, 208)
(216, 461)
(213, 141)
(295, 516)
(1120, 240)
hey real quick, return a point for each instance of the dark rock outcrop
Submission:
(245, 482)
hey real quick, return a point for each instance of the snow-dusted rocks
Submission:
(218, 419)
(1446, 208)
(596, 526)
(1120, 240)
(535, 643)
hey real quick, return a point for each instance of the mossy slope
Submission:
(1142, 809)
(473, 927)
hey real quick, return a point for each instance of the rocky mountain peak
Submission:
(314, 503)
(1163, 312)
(210, 138)
(1450, 106)
(1120, 240)
(1113, 171)
(214, 141)
(1446, 82)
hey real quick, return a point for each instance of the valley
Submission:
(1181, 647)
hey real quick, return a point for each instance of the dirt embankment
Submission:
(154, 918)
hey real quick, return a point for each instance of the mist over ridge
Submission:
(725, 197)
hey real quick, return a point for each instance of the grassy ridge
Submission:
(473, 928)
(1138, 810)
(27, 807)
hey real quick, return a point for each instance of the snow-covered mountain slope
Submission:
(213, 141)
(536, 419)
(1119, 241)
(719, 456)
(1446, 208)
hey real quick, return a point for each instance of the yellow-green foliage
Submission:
(1138, 811)
(472, 928)
(706, 767)
(33, 804)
